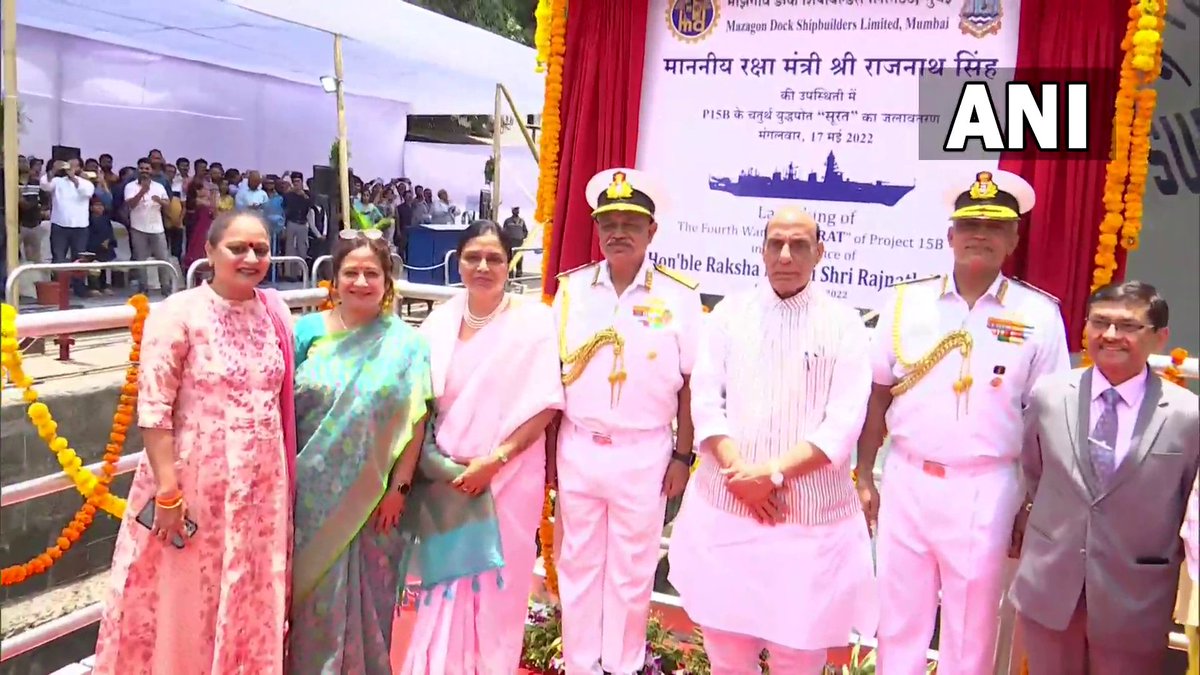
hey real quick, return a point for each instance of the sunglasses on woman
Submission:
(371, 234)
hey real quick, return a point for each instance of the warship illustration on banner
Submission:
(832, 187)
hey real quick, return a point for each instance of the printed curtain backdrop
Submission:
(750, 106)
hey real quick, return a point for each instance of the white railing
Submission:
(193, 270)
(119, 316)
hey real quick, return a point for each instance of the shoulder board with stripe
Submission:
(918, 280)
(1035, 289)
(676, 276)
(563, 275)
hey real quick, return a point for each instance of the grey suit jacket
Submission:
(1118, 544)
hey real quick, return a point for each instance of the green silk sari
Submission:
(359, 396)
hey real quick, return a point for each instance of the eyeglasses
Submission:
(371, 234)
(1123, 327)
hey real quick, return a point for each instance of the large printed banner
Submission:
(750, 105)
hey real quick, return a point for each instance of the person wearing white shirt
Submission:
(253, 197)
(770, 550)
(70, 194)
(628, 333)
(144, 202)
(954, 358)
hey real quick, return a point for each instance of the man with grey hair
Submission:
(779, 394)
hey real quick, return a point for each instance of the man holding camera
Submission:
(70, 194)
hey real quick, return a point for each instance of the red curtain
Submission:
(1067, 41)
(602, 98)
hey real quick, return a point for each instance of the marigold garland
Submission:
(548, 158)
(1128, 167)
(94, 489)
(541, 36)
(1172, 373)
(546, 539)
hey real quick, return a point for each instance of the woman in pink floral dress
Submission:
(215, 408)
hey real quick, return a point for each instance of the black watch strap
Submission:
(685, 457)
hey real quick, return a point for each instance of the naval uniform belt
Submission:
(607, 437)
(966, 468)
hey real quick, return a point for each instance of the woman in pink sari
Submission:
(494, 361)
(216, 412)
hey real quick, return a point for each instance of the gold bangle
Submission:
(178, 504)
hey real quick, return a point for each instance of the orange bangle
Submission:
(171, 501)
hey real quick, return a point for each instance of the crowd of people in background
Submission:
(168, 208)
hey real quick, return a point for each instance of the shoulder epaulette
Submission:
(569, 272)
(1035, 289)
(676, 276)
(918, 280)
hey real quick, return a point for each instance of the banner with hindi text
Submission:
(749, 105)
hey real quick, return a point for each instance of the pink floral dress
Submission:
(212, 370)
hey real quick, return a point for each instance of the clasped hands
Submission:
(751, 485)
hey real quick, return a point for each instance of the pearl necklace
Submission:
(476, 322)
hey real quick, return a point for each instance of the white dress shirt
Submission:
(146, 216)
(658, 319)
(69, 201)
(1131, 391)
(1017, 337)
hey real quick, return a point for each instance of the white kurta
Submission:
(772, 373)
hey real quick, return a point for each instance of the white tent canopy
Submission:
(391, 50)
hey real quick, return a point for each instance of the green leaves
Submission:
(511, 18)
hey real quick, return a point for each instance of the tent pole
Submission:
(11, 135)
(343, 149)
(520, 123)
(496, 132)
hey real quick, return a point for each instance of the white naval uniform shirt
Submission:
(658, 317)
(1018, 337)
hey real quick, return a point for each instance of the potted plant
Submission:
(542, 654)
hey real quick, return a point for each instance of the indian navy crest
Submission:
(980, 17)
(692, 20)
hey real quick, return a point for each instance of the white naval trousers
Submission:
(947, 532)
(611, 504)
(735, 654)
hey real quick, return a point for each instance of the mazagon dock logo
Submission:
(980, 17)
(692, 20)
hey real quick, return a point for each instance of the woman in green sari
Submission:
(363, 391)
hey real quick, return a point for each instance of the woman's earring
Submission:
(389, 300)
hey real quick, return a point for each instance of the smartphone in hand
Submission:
(146, 519)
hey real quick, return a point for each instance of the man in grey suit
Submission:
(1110, 455)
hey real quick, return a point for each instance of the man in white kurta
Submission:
(628, 333)
(769, 550)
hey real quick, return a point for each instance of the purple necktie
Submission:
(1103, 441)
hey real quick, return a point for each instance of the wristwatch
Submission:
(776, 475)
(685, 457)
(404, 488)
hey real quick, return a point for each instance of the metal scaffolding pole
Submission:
(11, 135)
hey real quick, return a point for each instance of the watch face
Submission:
(404, 488)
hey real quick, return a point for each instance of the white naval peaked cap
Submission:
(990, 195)
(622, 189)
